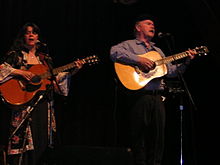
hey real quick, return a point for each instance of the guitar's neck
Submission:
(58, 70)
(90, 60)
(199, 50)
(172, 58)
(63, 68)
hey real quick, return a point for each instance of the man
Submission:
(147, 107)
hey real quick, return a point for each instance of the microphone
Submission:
(41, 43)
(162, 35)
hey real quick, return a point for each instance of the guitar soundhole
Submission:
(33, 85)
(32, 88)
(36, 79)
(145, 70)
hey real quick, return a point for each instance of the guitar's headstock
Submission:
(202, 50)
(91, 60)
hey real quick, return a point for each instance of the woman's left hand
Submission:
(79, 64)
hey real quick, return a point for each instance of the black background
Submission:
(80, 28)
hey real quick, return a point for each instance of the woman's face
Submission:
(30, 37)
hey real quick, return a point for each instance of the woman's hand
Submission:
(79, 64)
(27, 75)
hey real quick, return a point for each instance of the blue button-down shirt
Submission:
(127, 53)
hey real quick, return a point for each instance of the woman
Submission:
(29, 141)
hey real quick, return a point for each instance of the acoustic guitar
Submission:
(133, 78)
(17, 91)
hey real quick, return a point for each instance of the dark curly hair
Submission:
(19, 42)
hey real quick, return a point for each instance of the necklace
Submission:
(31, 55)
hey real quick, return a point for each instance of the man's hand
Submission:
(146, 64)
(191, 53)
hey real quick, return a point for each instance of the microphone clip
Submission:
(162, 35)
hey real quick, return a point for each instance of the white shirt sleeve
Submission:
(63, 81)
(5, 71)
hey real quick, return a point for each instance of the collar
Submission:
(138, 42)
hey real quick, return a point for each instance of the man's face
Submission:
(146, 28)
(30, 36)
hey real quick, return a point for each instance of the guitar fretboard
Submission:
(171, 58)
(58, 70)
(90, 60)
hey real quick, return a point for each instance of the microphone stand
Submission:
(28, 112)
(181, 106)
(52, 78)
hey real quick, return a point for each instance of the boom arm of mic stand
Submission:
(28, 110)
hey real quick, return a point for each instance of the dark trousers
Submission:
(147, 129)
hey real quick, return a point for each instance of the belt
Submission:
(150, 92)
(153, 92)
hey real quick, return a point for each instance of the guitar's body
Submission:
(18, 92)
(133, 78)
